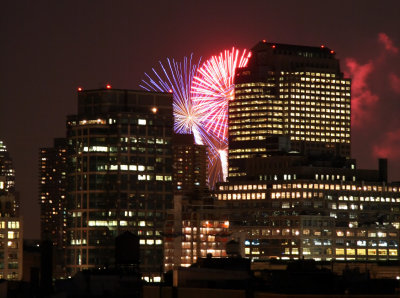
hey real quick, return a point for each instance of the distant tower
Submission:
(52, 192)
(189, 164)
(52, 200)
(7, 184)
(288, 98)
(11, 229)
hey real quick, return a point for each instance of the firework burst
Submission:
(213, 87)
(176, 77)
(200, 101)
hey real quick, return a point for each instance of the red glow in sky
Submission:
(363, 99)
(388, 43)
(388, 146)
(394, 82)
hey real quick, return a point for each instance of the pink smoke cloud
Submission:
(387, 43)
(394, 82)
(389, 146)
(363, 99)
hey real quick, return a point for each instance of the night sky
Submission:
(49, 48)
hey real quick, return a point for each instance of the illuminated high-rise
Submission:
(288, 98)
(52, 191)
(52, 200)
(119, 176)
(11, 226)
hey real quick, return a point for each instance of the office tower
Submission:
(11, 228)
(119, 176)
(288, 98)
(52, 192)
(303, 208)
(189, 164)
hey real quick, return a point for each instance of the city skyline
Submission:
(50, 50)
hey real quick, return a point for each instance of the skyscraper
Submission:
(119, 176)
(52, 200)
(11, 228)
(288, 98)
(52, 191)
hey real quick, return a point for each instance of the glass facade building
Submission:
(119, 176)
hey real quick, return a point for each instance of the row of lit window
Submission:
(242, 196)
(338, 251)
(327, 83)
(296, 93)
(10, 235)
(308, 73)
(270, 119)
(327, 125)
(301, 119)
(319, 133)
(305, 103)
(254, 132)
(232, 151)
(10, 224)
(312, 85)
(114, 223)
(315, 100)
(254, 96)
(320, 140)
(259, 114)
(245, 156)
(253, 102)
(318, 110)
(258, 84)
(247, 120)
(150, 242)
(255, 126)
(336, 186)
(248, 90)
(272, 102)
(304, 195)
(252, 138)
(254, 108)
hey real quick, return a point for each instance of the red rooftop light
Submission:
(322, 46)
(273, 46)
(332, 52)
(264, 41)
(108, 86)
(80, 89)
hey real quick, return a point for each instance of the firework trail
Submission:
(176, 77)
(213, 87)
(200, 101)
